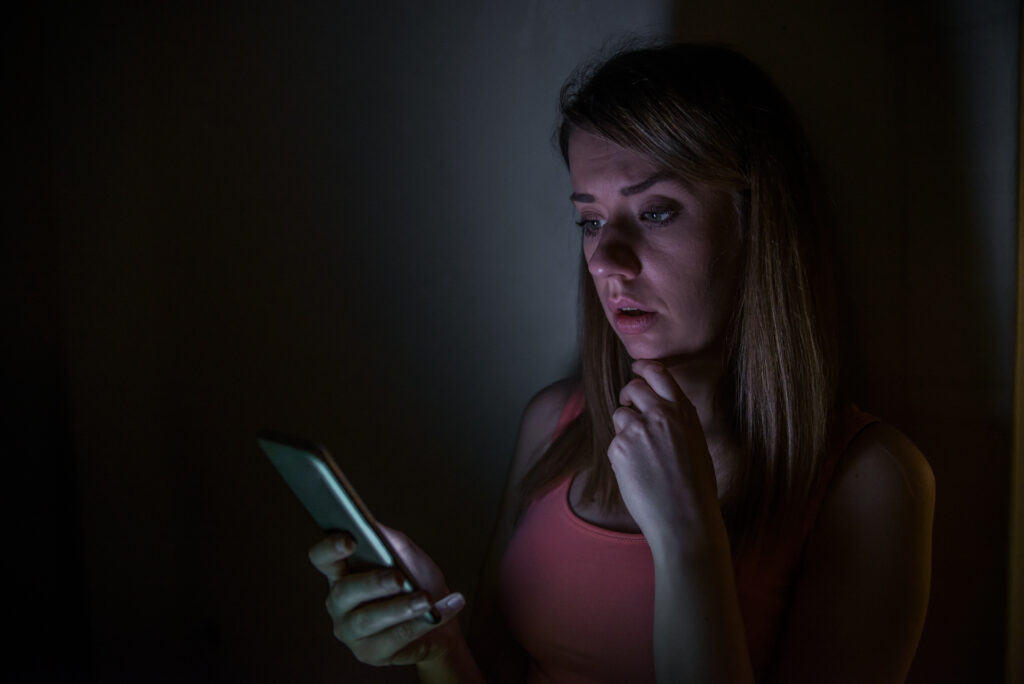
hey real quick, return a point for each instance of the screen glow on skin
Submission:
(664, 243)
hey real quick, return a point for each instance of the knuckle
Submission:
(386, 580)
(634, 427)
(357, 622)
(316, 558)
(335, 596)
(333, 603)
(406, 631)
(414, 605)
(329, 550)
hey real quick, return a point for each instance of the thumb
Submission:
(450, 606)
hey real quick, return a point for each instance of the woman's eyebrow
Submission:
(643, 185)
(630, 189)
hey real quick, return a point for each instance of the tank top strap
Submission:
(572, 409)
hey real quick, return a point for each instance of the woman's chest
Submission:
(580, 598)
(619, 520)
(588, 510)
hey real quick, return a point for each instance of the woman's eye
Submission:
(658, 216)
(589, 226)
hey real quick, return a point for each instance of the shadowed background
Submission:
(349, 222)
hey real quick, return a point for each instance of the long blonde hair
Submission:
(710, 115)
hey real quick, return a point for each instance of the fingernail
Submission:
(452, 602)
(420, 604)
(342, 545)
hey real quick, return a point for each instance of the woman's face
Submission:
(662, 251)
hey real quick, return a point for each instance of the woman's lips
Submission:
(634, 323)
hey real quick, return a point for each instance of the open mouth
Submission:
(631, 320)
(630, 311)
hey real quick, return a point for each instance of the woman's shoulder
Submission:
(873, 541)
(552, 398)
(540, 420)
(880, 502)
(543, 411)
(883, 465)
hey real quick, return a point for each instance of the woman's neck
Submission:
(700, 379)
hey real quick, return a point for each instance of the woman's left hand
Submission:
(660, 455)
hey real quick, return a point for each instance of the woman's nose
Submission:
(614, 254)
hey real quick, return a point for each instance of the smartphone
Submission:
(326, 493)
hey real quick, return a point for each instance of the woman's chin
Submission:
(647, 352)
(672, 356)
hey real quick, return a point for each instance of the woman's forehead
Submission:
(597, 160)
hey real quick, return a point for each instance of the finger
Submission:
(659, 379)
(410, 554)
(398, 540)
(622, 417)
(402, 644)
(400, 543)
(356, 589)
(328, 555)
(447, 608)
(639, 395)
(379, 616)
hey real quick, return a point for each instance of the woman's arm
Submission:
(698, 627)
(861, 600)
(859, 604)
(667, 479)
(497, 653)
(457, 667)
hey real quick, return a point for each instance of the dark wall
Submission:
(346, 222)
(47, 608)
(349, 223)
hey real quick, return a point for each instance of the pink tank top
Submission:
(580, 598)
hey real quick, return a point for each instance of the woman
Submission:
(702, 505)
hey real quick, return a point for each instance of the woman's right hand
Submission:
(374, 618)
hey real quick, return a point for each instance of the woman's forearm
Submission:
(698, 628)
(456, 667)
